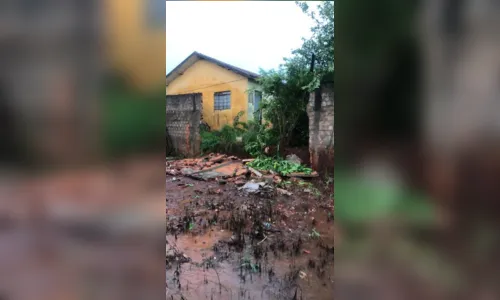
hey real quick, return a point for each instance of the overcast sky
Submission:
(247, 34)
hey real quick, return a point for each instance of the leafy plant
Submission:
(221, 140)
(240, 127)
(209, 141)
(227, 136)
(280, 166)
(257, 137)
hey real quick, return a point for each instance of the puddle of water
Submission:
(228, 280)
(222, 282)
(198, 247)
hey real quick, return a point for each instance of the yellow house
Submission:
(226, 89)
(135, 40)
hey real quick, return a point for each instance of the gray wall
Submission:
(183, 116)
(321, 136)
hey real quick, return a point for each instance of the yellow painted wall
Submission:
(132, 47)
(208, 78)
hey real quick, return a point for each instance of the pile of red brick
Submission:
(211, 161)
(230, 168)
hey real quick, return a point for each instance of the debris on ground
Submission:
(187, 171)
(259, 174)
(294, 159)
(302, 274)
(209, 167)
(198, 164)
(251, 187)
(284, 192)
(223, 169)
(233, 222)
(172, 254)
(304, 175)
(262, 188)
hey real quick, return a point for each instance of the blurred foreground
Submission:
(82, 127)
(89, 234)
(417, 167)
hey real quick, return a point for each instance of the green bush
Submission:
(257, 137)
(209, 141)
(223, 140)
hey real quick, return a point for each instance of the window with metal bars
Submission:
(222, 100)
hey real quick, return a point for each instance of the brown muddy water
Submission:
(227, 245)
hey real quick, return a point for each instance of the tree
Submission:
(286, 89)
(284, 103)
(321, 43)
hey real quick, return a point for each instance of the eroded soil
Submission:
(225, 244)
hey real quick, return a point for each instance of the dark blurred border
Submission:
(82, 187)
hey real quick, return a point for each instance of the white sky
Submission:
(246, 34)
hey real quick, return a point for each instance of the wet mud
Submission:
(225, 244)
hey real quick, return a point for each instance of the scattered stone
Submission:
(187, 171)
(268, 178)
(241, 172)
(240, 182)
(294, 158)
(284, 192)
(257, 173)
(170, 252)
(251, 187)
(218, 159)
(214, 192)
(172, 172)
(302, 275)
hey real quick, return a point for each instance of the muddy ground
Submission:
(223, 243)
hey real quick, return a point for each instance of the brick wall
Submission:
(321, 119)
(183, 116)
